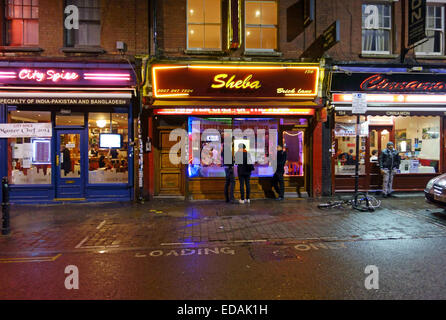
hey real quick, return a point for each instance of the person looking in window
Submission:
(389, 162)
(244, 169)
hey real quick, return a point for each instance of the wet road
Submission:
(211, 250)
(408, 269)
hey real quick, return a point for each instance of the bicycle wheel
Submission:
(362, 203)
(373, 202)
(329, 205)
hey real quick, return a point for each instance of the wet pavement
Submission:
(51, 228)
(169, 249)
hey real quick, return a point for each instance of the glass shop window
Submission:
(29, 158)
(345, 144)
(205, 154)
(417, 140)
(204, 24)
(72, 119)
(108, 148)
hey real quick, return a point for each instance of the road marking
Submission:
(320, 245)
(81, 243)
(189, 252)
(30, 259)
(177, 243)
(242, 241)
(100, 225)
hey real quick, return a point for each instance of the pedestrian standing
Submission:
(278, 182)
(228, 164)
(389, 162)
(244, 169)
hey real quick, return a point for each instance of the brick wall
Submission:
(121, 20)
(172, 30)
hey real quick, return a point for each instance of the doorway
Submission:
(70, 169)
(379, 136)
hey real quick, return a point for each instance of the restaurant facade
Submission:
(205, 99)
(66, 130)
(406, 106)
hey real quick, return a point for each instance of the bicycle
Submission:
(360, 201)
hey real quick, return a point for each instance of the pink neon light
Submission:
(8, 75)
(107, 78)
(108, 74)
(29, 74)
(234, 111)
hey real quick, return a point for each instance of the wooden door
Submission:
(169, 177)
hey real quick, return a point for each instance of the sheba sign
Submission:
(240, 82)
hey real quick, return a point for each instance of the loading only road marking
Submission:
(320, 245)
(30, 259)
(189, 252)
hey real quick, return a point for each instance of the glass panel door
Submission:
(70, 171)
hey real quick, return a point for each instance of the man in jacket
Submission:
(389, 162)
(278, 182)
(244, 169)
(229, 175)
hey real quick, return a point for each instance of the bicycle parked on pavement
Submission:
(360, 201)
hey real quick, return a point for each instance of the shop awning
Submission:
(234, 104)
(63, 97)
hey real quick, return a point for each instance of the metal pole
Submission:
(5, 207)
(357, 157)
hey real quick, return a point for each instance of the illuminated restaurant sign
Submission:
(65, 77)
(234, 111)
(240, 82)
(394, 82)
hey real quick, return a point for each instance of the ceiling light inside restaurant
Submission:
(101, 123)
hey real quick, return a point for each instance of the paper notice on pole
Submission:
(359, 103)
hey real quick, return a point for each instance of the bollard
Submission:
(5, 207)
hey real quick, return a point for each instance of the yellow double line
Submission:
(30, 259)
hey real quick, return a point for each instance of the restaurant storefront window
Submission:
(404, 108)
(29, 159)
(108, 146)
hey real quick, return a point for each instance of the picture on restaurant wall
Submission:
(400, 134)
(431, 133)
(404, 145)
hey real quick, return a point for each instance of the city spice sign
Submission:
(241, 82)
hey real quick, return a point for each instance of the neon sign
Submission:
(231, 84)
(379, 82)
(52, 75)
(235, 111)
(235, 81)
